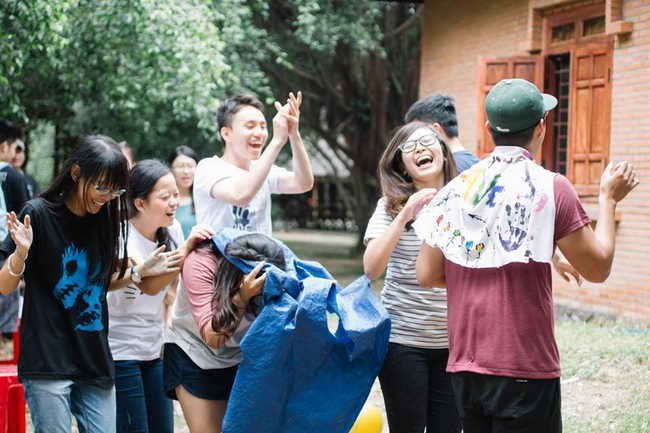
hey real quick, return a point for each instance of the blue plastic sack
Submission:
(295, 375)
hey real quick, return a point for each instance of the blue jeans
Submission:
(142, 406)
(53, 402)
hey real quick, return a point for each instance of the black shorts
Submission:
(214, 384)
(506, 404)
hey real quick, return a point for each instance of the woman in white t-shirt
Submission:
(416, 389)
(137, 303)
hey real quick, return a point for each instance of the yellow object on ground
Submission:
(368, 421)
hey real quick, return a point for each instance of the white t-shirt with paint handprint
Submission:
(219, 214)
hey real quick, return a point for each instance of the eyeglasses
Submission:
(105, 191)
(425, 141)
(184, 167)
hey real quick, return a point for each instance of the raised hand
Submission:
(280, 123)
(21, 233)
(160, 262)
(293, 116)
(416, 202)
(618, 180)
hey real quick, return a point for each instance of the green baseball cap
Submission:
(514, 105)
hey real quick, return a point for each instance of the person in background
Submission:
(128, 152)
(439, 111)
(183, 161)
(13, 195)
(33, 188)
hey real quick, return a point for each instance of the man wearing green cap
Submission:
(489, 236)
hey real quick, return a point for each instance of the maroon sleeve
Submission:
(198, 281)
(569, 213)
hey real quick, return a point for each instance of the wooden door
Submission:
(493, 70)
(589, 116)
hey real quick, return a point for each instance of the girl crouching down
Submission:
(214, 308)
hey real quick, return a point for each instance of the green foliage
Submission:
(29, 42)
(152, 72)
(149, 71)
(41, 154)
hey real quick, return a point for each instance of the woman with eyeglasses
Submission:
(137, 304)
(417, 391)
(183, 161)
(66, 245)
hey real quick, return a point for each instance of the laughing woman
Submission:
(136, 306)
(66, 244)
(416, 388)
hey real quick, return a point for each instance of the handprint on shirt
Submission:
(513, 233)
(242, 218)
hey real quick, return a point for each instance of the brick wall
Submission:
(627, 292)
(454, 36)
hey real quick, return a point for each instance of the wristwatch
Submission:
(135, 275)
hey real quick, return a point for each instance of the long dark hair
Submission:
(227, 278)
(396, 185)
(142, 180)
(190, 153)
(100, 160)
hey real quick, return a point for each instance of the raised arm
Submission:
(591, 252)
(379, 249)
(301, 178)
(12, 271)
(239, 190)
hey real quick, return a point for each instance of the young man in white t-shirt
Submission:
(234, 190)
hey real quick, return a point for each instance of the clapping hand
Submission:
(286, 121)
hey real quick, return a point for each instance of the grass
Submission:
(605, 365)
(606, 370)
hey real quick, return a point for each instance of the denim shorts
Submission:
(214, 384)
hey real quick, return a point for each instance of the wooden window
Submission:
(577, 142)
(555, 149)
(563, 33)
(493, 70)
(593, 26)
(590, 107)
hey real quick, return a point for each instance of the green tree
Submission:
(357, 64)
(147, 71)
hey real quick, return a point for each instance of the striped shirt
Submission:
(418, 315)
